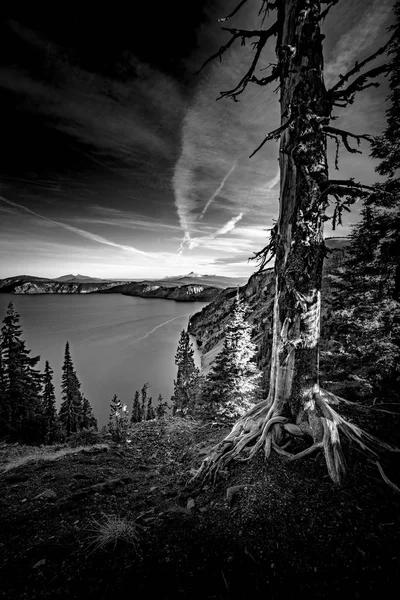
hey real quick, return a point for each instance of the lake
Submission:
(117, 342)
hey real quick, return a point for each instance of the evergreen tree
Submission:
(89, 421)
(136, 415)
(233, 381)
(70, 414)
(119, 420)
(50, 420)
(161, 408)
(364, 320)
(143, 406)
(186, 383)
(150, 414)
(21, 385)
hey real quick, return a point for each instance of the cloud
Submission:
(81, 232)
(358, 39)
(127, 121)
(218, 190)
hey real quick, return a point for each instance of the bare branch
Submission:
(361, 83)
(265, 9)
(328, 8)
(357, 67)
(243, 34)
(235, 10)
(274, 135)
(344, 135)
(265, 255)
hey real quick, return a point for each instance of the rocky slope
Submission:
(180, 293)
(52, 287)
(208, 325)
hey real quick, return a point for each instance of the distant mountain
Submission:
(79, 279)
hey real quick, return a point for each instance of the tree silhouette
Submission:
(70, 414)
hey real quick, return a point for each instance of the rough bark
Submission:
(296, 405)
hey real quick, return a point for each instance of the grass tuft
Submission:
(113, 529)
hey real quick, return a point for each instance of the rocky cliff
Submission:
(208, 325)
(180, 293)
(52, 287)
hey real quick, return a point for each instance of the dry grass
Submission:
(36, 455)
(111, 530)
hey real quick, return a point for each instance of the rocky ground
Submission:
(264, 530)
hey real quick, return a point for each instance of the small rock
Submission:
(40, 563)
(153, 487)
(190, 504)
(23, 500)
(47, 495)
(232, 491)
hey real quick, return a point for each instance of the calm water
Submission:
(117, 342)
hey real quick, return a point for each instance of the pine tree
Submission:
(70, 414)
(89, 421)
(365, 316)
(50, 420)
(233, 381)
(22, 414)
(119, 420)
(143, 393)
(150, 414)
(136, 415)
(161, 408)
(186, 384)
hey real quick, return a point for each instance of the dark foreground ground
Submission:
(287, 531)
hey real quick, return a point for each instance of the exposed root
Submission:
(263, 427)
(386, 479)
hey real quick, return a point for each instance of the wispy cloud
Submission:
(81, 232)
(218, 190)
(358, 39)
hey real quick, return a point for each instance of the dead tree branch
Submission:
(328, 8)
(243, 34)
(347, 95)
(235, 10)
(274, 135)
(345, 135)
(357, 67)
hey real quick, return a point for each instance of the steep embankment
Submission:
(208, 325)
(180, 293)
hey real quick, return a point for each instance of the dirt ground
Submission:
(286, 530)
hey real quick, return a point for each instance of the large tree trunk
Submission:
(299, 242)
(296, 405)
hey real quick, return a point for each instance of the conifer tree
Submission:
(150, 414)
(119, 420)
(365, 315)
(70, 414)
(89, 421)
(186, 384)
(161, 408)
(143, 406)
(233, 381)
(50, 420)
(22, 415)
(136, 415)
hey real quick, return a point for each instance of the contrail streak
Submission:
(218, 190)
(81, 232)
(155, 329)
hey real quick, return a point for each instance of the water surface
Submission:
(117, 342)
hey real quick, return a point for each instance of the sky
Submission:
(117, 159)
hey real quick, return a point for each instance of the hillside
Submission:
(249, 536)
(187, 288)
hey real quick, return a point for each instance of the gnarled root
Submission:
(263, 427)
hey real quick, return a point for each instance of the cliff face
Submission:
(208, 325)
(31, 287)
(180, 293)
